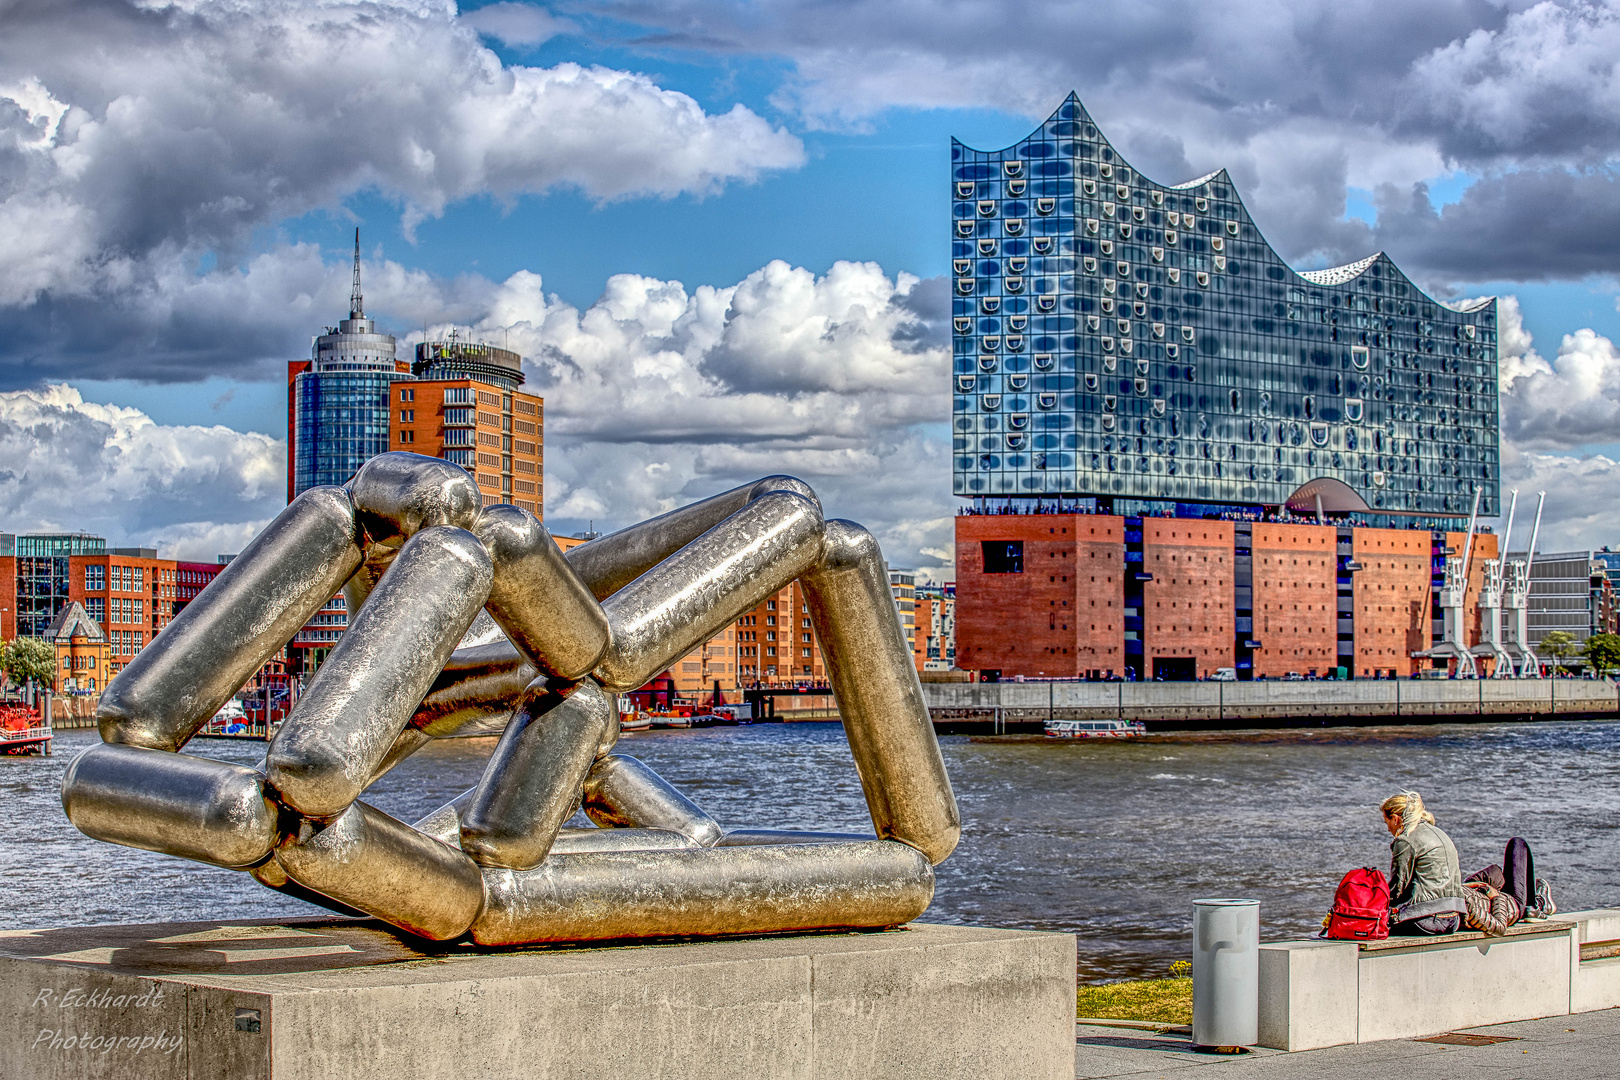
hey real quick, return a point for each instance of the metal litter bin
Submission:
(1226, 973)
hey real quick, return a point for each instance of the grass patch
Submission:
(1164, 1001)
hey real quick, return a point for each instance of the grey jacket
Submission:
(1424, 877)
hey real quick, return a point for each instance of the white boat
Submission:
(1095, 729)
(231, 722)
(670, 719)
(634, 721)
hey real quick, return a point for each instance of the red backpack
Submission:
(1360, 907)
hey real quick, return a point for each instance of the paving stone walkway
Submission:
(1585, 1046)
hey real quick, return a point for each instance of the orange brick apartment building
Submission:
(1096, 595)
(130, 595)
(464, 406)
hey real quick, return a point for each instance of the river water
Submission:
(1110, 841)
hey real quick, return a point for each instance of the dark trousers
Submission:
(1516, 876)
(1519, 872)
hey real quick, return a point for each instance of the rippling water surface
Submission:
(1110, 841)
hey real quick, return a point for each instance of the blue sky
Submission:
(176, 234)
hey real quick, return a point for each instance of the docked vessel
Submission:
(233, 722)
(714, 718)
(1095, 729)
(669, 719)
(23, 731)
(634, 721)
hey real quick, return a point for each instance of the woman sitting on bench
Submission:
(1426, 894)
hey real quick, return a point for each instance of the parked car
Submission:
(1224, 674)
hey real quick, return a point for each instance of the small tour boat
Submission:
(634, 721)
(670, 719)
(713, 719)
(233, 722)
(1095, 729)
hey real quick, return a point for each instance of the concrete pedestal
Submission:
(328, 999)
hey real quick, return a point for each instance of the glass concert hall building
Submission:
(1126, 352)
(1135, 342)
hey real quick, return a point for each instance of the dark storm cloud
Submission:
(1527, 225)
(1300, 101)
(172, 325)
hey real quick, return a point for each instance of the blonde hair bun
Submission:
(1408, 806)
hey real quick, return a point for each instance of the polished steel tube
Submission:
(879, 694)
(690, 596)
(374, 563)
(382, 866)
(475, 692)
(622, 791)
(705, 892)
(270, 874)
(341, 730)
(531, 783)
(419, 560)
(577, 841)
(254, 607)
(472, 696)
(609, 563)
(757, 837)
(444, 825)
(537, 598)
(192, 807)
(398, 494)
(483, 631)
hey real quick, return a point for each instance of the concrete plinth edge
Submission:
(327, 999)
(1308, 994)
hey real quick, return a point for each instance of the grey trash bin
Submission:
(1226, 972)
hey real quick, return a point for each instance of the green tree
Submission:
(1560, 645)
(27, 658)
(1603, 652)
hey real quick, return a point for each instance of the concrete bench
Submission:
(1327, 993)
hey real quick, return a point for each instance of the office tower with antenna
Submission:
(338, 399)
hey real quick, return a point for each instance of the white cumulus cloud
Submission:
(657, 394)
(516, 24)
(1569, 401)
(193, 492)
(1582, 492)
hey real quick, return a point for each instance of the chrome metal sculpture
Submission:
(417, 558)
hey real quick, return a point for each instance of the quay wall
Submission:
(1199, 703)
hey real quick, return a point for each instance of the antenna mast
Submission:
(357, 307)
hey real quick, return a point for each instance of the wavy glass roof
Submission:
(1121, 338)
(1338, 275)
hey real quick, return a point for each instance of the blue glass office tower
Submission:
(338, 401)
(1142, 344)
